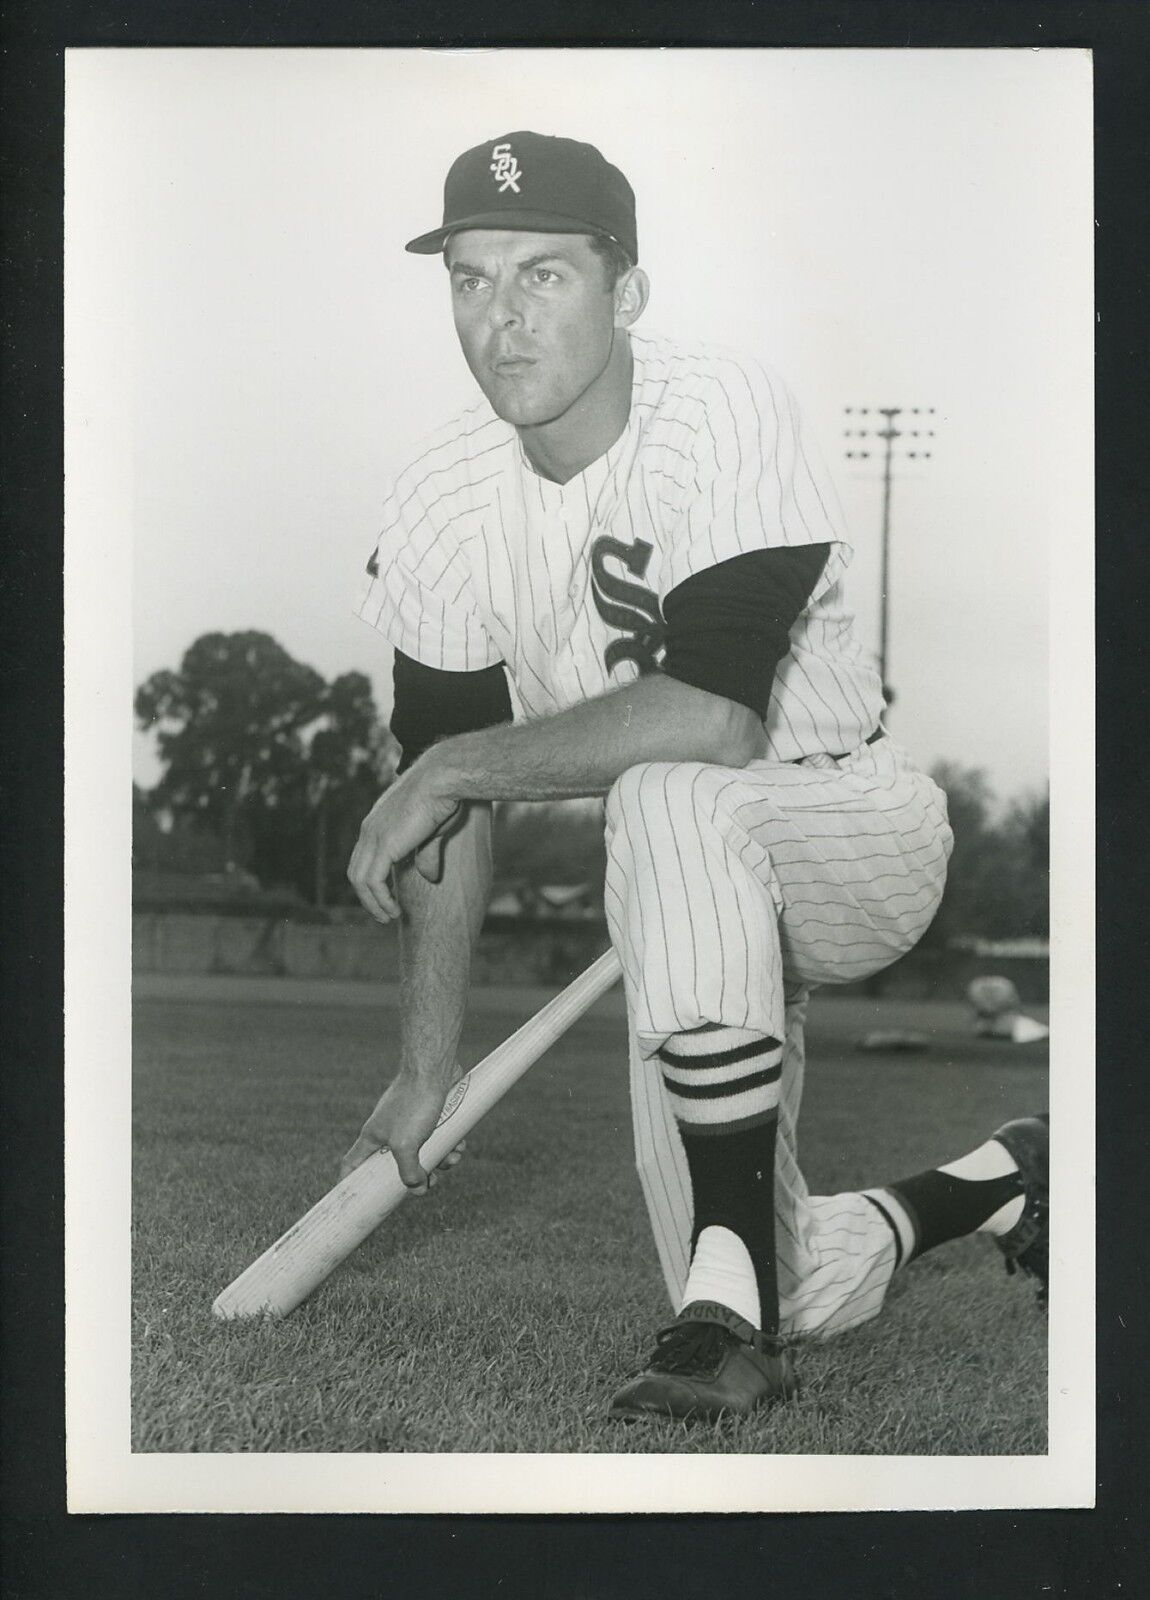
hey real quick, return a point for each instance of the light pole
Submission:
(888, 433)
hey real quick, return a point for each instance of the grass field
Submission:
(500, 1313)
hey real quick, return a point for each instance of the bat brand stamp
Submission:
(453, 1102)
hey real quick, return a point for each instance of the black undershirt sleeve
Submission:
(729, 626)
(431, 704)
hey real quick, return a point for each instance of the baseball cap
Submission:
(535, 183)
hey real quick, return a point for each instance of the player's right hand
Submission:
(402, 1122)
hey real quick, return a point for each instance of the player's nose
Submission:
(505, 307)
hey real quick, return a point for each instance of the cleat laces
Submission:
(690, 1349)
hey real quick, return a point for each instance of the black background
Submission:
(983, 1556)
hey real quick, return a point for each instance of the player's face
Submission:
(536, 317)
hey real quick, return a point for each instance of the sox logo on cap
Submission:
(506, 169)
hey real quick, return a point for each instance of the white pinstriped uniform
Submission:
(729, 893)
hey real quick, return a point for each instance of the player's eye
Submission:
(545, 275)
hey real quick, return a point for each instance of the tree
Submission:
(257, 747)
(348, 761)
(997, 883)
(540, 844)
(162, 842)
(1026, 830)
(968, 800)
(147, 839)
(228, 727)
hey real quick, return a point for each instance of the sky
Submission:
(884, 227)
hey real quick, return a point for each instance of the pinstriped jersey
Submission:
(483, 560)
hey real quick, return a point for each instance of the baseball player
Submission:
(619, 573)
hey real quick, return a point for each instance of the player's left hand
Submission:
(367, 1145)
(406, 818)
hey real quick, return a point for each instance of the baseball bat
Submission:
(299, 1261)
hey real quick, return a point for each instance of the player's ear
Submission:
(632, 292)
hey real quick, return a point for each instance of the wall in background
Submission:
(550, 953)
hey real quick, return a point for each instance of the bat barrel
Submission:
(299, 1261)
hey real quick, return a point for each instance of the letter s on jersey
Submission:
(627, 606)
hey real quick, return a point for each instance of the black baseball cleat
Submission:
(709, 1363)
(1027, 1245)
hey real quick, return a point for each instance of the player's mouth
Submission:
(512, 366)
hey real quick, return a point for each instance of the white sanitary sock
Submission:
(722, 1270)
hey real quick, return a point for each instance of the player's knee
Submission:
(634, 788)
(653, 788)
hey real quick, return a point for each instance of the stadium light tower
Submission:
(885, 428)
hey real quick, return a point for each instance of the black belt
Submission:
(878, 734)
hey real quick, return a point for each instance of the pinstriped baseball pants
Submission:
(729, 894)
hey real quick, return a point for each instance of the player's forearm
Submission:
(583, 750)
(440, 925)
